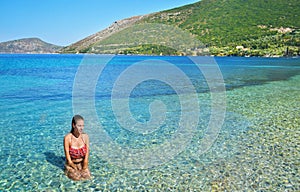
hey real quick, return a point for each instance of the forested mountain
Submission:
(224, 27)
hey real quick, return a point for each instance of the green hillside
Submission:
(261, 25)
(217, 27)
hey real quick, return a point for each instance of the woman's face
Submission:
(79, 126)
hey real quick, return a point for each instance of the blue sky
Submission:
(63, 22)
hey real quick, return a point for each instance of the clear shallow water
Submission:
(36, 109)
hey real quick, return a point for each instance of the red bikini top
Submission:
(78, 153)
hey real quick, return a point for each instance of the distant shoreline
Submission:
(267, 56)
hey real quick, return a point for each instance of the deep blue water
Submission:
(37, 103)
(51, 77)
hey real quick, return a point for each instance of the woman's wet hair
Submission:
(75, 120)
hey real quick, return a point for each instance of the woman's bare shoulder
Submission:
(67, 136)
(85, 135)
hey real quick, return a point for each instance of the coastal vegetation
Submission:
(240, 28)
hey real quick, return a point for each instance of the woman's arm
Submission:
(86, 158)
(66, 149)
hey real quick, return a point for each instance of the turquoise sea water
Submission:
(37, 104)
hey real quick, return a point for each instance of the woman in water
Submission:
(76, 147)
